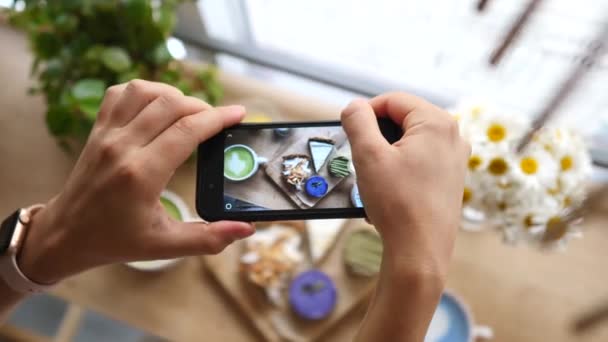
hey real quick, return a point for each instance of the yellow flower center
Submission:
(566, 163)
(496, 132)
(502, 206)
(529, 165)
(474, 162)
(498, 166)
(467, 195)
(476, 111)
(553, 229)
(567, 201)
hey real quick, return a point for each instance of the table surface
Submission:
(524, 294)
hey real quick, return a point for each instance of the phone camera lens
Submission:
(228, 206)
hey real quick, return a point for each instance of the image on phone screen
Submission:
(288, 168)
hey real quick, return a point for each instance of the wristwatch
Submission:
(12, 234)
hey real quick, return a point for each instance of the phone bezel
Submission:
(210, 178)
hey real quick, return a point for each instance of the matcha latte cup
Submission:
(241, 162)
(177, 210)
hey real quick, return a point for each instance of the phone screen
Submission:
(288, 168)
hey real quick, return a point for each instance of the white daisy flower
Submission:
(537, 168)
(522, 194)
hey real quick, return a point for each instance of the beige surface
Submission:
(523, 294)
(352, 290)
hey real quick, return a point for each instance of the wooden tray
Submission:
(279, 324)
(274, 168)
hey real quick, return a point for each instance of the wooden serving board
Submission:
(280, 324)
(274, 168)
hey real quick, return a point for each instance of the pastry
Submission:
(312, 295)
(339, 167)
(316, 186)
(271, 256)
(296, 169)
(322, 236)
(320, 149)
(363, 252)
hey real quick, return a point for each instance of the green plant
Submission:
(83, 46)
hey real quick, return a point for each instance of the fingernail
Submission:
(353, 106)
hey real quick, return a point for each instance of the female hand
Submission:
(109, 210)
(412, 191)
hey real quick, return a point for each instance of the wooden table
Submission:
(525, 295)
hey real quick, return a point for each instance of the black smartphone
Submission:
(280, 171)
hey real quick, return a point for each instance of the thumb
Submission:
(197, 238)
(361, 126)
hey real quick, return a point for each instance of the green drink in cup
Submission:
(241, 162)
(177, 210)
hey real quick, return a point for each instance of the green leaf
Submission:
(59, 121)
(184, 86)
(66, 22)
(166, 19)
(88, 90)
(127, 76)
(116, 59)
(137, 10)
(161, 55)
(90, 109)
(215, 93)
(169, 76)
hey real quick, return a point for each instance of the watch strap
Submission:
(9, 268)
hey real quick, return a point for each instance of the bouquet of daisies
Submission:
(524, 195)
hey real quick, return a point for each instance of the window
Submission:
(437, 48)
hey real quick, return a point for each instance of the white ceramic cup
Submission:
(257, 161)
(439, 329)
(158, 265)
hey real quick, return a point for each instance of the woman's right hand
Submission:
(412, 191)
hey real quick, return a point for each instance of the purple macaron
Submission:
(313, 295)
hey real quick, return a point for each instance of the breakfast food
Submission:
(316, 186)
(320, 149)
(296, 169)
(339, 167)
(322, 236)
(313, 295)
(270, 257)
(363, 252)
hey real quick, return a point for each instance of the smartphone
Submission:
(280, 171)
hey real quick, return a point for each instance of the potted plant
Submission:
(81, 47)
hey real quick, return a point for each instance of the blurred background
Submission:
(288, 60)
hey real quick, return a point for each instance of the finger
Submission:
(136, 96)
(162, 113)
(361, 126)
(196, 238)
(178, 141)
(404, 109)
(110, 98)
